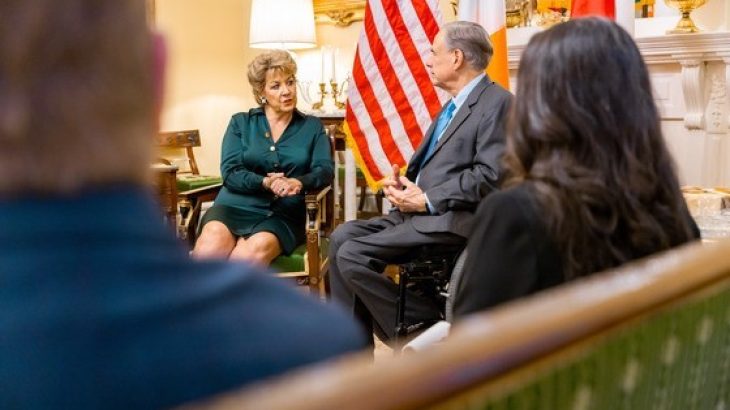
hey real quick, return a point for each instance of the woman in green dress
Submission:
(270, 156)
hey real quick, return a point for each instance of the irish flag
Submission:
(491, 15)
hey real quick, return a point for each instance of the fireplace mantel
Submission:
(665, 49)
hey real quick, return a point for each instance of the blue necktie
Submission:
(441, 124)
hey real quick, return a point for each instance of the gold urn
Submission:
(685, 24)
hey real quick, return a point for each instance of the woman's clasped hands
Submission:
(280, 185)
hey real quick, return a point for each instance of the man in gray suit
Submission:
(457, 164)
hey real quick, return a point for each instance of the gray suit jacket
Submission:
(466, 163)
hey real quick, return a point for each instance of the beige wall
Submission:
(207, 56)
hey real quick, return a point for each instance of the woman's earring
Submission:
(263, 100)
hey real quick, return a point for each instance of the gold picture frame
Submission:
(341, 13)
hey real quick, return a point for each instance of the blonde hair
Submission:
(271, 60)
(76, 94)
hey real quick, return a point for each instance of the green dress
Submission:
(248, 154)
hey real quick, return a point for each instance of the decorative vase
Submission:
(685, 24)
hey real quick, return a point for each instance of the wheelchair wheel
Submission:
(454, 283)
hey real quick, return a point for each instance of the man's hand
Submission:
(410, 199)
(394, 179)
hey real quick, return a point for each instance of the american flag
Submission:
(390, 100)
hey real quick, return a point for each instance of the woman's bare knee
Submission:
(215, 240)
(261, 248)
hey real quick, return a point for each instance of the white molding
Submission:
(664, 49)
(726, 60)
(693, 81)
(715, 118)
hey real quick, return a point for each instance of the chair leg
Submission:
(363, 197)
(312, 265)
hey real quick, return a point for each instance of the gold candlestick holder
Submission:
(322, 92)
(338, 104)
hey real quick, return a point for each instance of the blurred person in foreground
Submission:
(100, 306)
(591, 184)
(271, 156)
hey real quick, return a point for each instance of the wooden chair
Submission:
(308, 262)
(652, 334)
(193, 189)
(165, 181)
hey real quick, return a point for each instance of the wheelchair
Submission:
(434, 272)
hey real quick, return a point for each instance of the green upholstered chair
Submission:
(308, 262)
(654, 334)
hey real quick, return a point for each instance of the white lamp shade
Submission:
(283, 24)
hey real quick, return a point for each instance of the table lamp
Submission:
(272, 28)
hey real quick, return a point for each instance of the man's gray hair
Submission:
(472, 40)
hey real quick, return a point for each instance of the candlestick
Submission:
(322, 93)
(322, 52)
(338, 104)
(334, 75)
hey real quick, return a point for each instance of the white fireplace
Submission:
(691, 79)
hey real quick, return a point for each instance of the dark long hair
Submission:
(585, 135)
